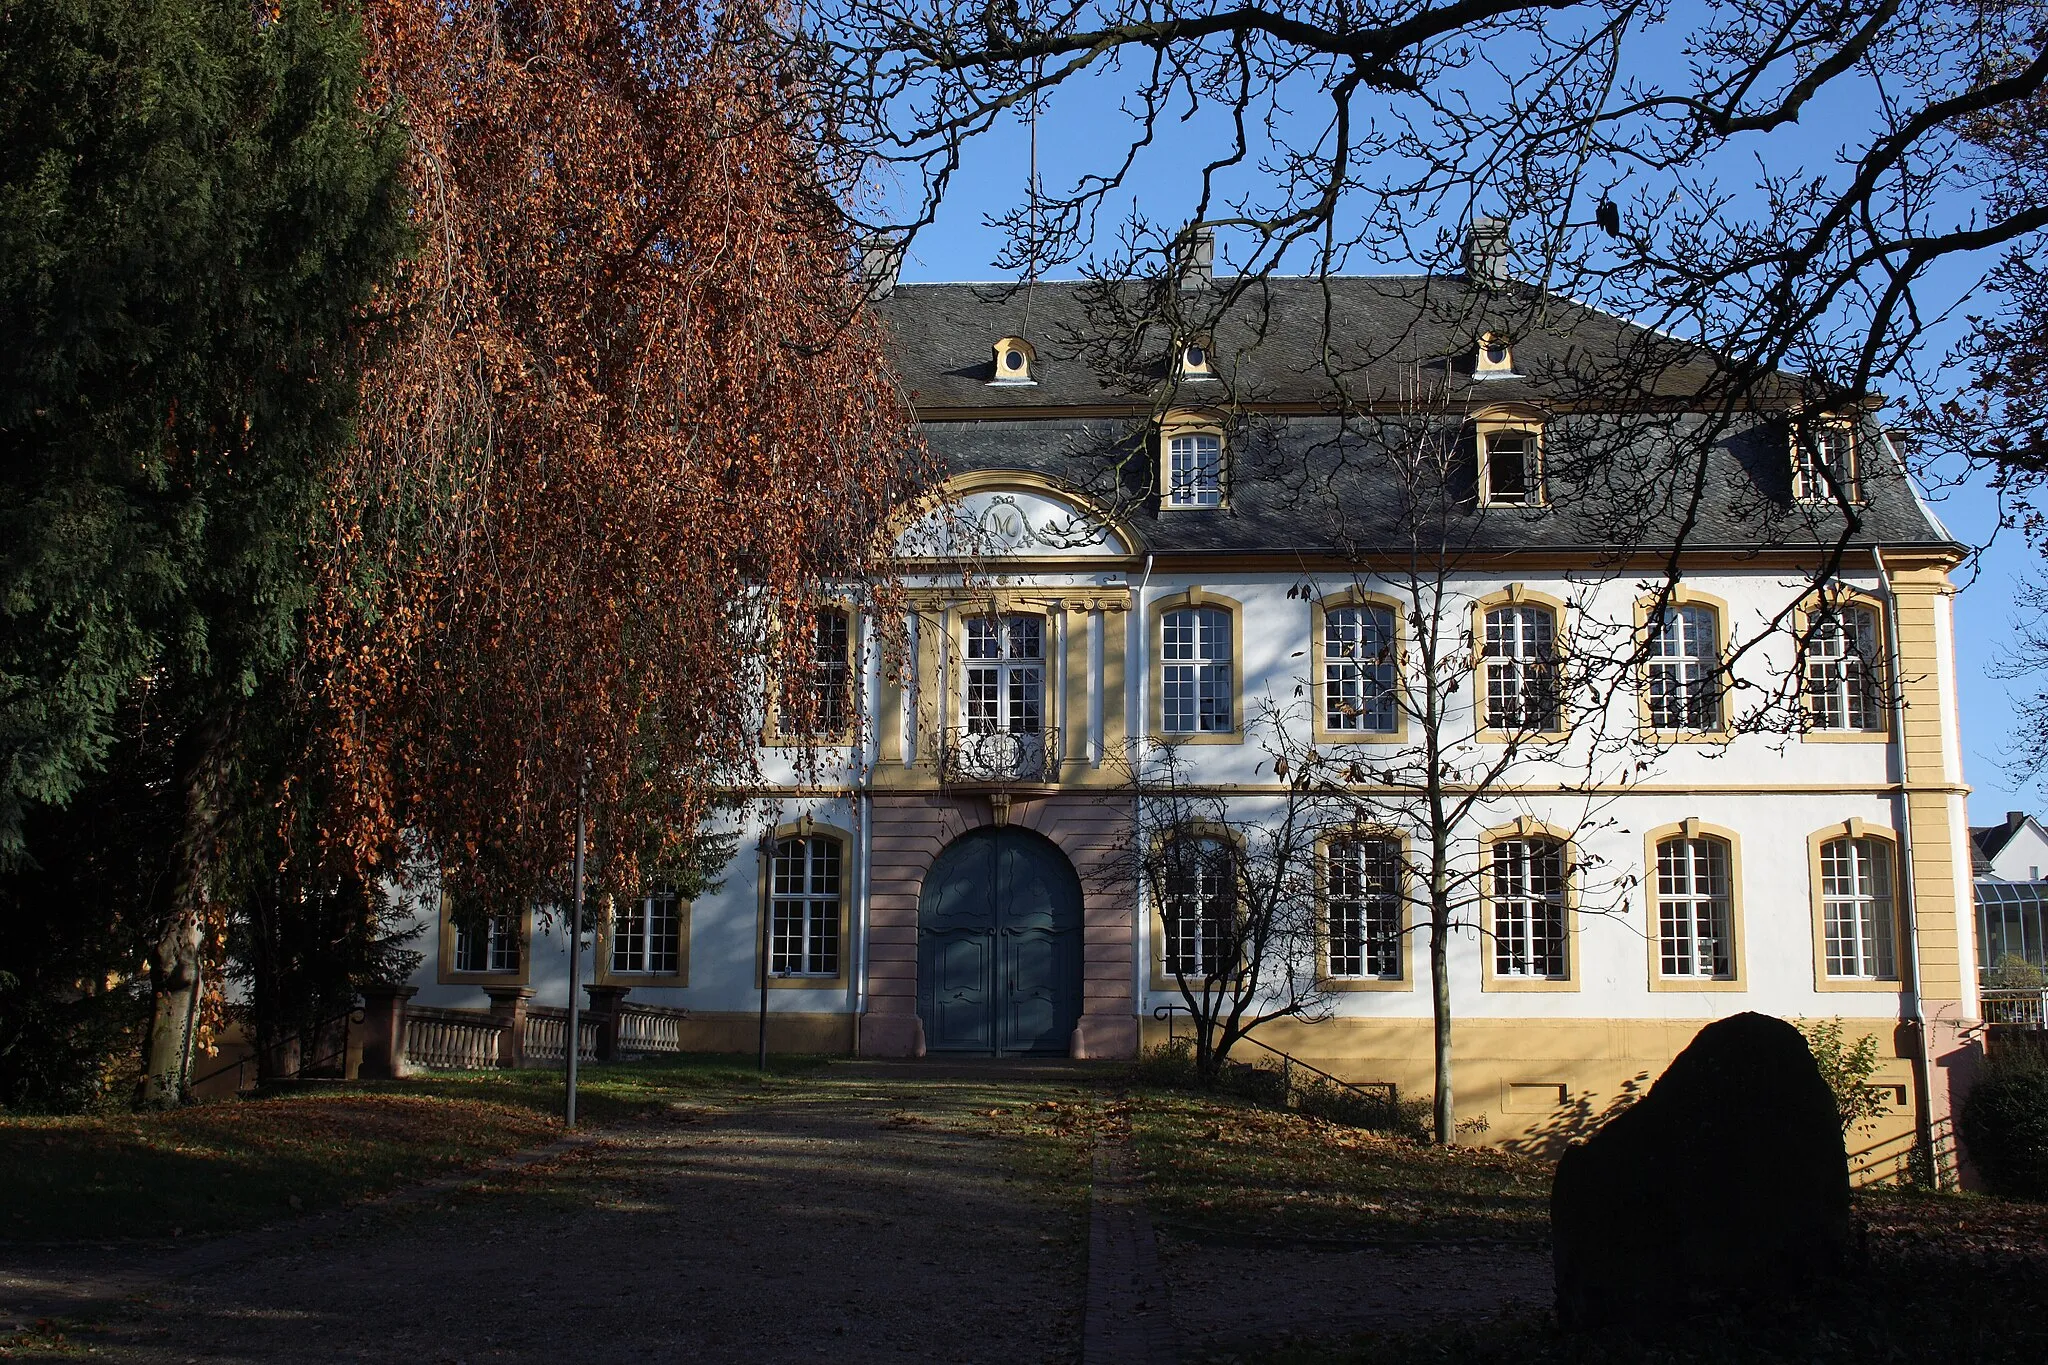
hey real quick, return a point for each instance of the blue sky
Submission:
(1075, 133)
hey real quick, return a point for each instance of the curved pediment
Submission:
(1015, 517)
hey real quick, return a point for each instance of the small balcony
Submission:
(974, 759)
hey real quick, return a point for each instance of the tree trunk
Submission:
(176, 972)
(1440, 1000)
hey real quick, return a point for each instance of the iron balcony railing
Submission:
(972, 756)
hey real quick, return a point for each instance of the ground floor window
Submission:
(1365, 908)
(1528, 894)
(647, 935)
(1693, 908)
(804, 908)
(1198, 886)
(487, 943)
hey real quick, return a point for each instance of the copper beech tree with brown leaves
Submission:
(634, 425)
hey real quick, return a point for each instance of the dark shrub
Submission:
(2004, 1127)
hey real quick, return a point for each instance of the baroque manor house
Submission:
(1174, 557)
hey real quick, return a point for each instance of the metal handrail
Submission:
(1384, 1092)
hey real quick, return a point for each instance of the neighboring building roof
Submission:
(1297, 482)
(1987, 842)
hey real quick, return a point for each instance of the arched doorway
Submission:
(999, 946)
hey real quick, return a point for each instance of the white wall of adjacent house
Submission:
(2025, 855)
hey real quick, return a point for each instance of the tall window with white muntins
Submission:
(1198, 899)
(1528, 894)
(1824, 465)
(1005, 675)
(1195, 672)
(831, 677)
(1510, 476)
(1194, 470)
(1856, 909)
(1684, 669)
(647, 935)
(804, 907)
(1520, 653)
(1365, 908)
(1841, 677)
(1358, 669)
(1694, 909)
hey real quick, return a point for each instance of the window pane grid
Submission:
(1684, 686)
(1856, 909)
(1528, 908)
(1694, 908)
(647, 935)
(1521, 669)
(1840, 650)
(1197, 918)
(1194, 471)
(487, 943)
(803, 916)
(1358, 669)
(831, 672)
(1365, 909)
(1005, 677)
(1507, 467)
(1194, 683)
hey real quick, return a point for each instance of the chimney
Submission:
(1197, 258)
(880, 260)
(2014, 819)
(1486, 252)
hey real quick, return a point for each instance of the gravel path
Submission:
(854, 1221)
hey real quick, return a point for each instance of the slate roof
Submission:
(1302, 479)
(1988, 841)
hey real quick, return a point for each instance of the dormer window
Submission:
(1193, 456)
(1016, 362)
(1824, 463)
(1509, 449)
(1496, 357)
(1194, 359)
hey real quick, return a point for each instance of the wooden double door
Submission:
(999, 947)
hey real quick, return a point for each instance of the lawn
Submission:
(1217, 1167)
(240, 1163)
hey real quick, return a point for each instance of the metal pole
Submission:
(572, 1046)
(764, 855)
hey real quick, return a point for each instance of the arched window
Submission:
(1195, 692)
(1359, 654)
(1364, 907)
(1840, 668)
(1684, 648)
(805, 905)
(1520, 653)
(647, 935)
(1695, 908)
(1528, 889)
(1194, 469)
(1861, 939)
(1198, 900)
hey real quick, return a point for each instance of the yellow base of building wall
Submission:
(1532, 1085)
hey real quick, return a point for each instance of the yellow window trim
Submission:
(1693, 828)
(1192, 422)
(1518, 595)
(1497, 421)
(773, 736)
(1005, 347)
(1318, 647)
(447, 974)
(766, 872)
(675, 980)
(1682, 595)
(1155, 628)
(1346, 984)
(1855, 828)
(1529, 828)
(1802, 616)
